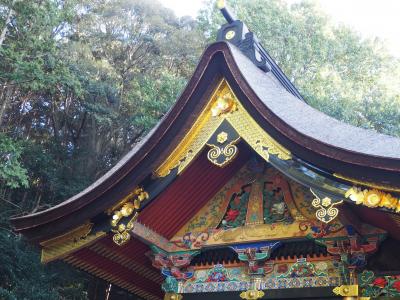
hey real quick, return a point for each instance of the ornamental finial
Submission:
(228, 15)
(221, 4)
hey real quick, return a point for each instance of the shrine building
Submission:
(242, 191)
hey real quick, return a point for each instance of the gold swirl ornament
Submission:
(326, 211)
(252, 294)
(221, 155)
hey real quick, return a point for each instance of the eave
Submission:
(269, 104)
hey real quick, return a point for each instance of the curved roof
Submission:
(310, 135)
(311, 122)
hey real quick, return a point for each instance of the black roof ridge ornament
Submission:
(237, 33)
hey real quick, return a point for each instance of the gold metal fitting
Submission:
(346, 290)
(252, 294)
(172, 296)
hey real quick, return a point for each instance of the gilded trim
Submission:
(346, 290)
(129, 208)
(69, 242)
(327, 211)
(373, 198)
(223, 105)
(367, 183)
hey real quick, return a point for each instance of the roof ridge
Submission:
(237, 33)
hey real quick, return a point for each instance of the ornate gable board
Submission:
(222, 107)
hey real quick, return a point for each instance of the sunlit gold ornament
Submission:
(372, 198)
(224, 104)
(222, 137)
(230, 34)
(388, 201)
(326, 201)
(355, 194)
(129, 207)
(326, 211)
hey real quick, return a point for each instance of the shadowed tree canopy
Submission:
(81, 82)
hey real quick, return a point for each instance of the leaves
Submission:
(12, 173)
(81, 82)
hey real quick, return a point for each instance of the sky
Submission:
(372, 18)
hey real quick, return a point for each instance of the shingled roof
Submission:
(311, 136)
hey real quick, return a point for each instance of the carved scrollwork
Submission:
(129, 208)
(221, 156)
(326, 211)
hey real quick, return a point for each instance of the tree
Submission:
(81, 82)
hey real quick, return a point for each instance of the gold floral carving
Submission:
(373, 198)
(129, 208)
(252, 294)
(69, 242)
(327, 211)
(222, 137)
(223, 105)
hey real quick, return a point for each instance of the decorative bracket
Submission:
(174, 266)
(255, 255)
(128, 207)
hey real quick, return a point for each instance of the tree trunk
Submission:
(6, 100)
(8, 19)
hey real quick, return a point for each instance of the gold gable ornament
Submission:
(222, 106)
(223, 154)
(326, 211)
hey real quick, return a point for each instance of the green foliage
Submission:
(22, 276)
(12, 173)
(81, 82)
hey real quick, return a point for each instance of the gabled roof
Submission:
(324, 144)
